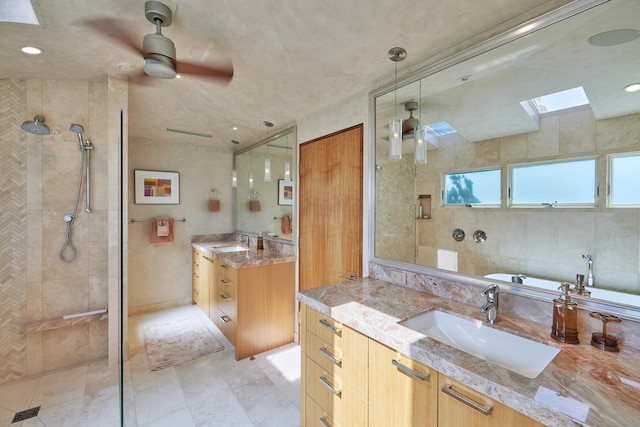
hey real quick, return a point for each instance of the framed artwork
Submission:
(285, 192)
(157, 188)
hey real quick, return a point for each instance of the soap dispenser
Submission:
(565, 317)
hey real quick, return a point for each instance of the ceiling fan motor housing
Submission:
(159, 55)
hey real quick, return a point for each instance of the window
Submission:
(568, 182)
(624, 179)
(473, 188)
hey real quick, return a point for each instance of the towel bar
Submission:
(146, 220)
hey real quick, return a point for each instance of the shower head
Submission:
(36, 126)
(76, 128)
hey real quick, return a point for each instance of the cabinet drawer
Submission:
(226, 326)
(228, 272)
(342, 404)
(227, 286)
(324, 327)
(227, 305)
(316, 416)
(328, 356)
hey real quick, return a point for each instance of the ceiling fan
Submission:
(158, 51)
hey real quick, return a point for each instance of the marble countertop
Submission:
(243, 259)
(581, 386)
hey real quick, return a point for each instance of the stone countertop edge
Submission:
(582, 386)
(246, 259)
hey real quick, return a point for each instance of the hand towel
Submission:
(154, 238)
(162, 225)
(286, 225)
(213, 205)
(254, 205)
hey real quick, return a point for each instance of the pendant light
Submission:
(234, 174)
(395, 124)
(287, 164)
(420, 136)
(267, 160)
(251, 173)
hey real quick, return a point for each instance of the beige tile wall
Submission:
(42, 185)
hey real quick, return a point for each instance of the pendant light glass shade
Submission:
(420, 157)
(251, 180)
(395, 139)
(287, 171)
(267, 169)
(234, 179)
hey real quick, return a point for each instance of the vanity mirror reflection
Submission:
(266, 204)
(486, 111)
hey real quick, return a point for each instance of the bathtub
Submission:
(601, 294)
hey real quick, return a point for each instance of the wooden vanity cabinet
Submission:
(459, 405)
(255, 306)
(334, 389)
(203, 271)
(352, 380)
(402, 391)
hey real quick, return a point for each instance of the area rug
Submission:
(169, 344)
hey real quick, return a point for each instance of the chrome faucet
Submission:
(590, 271)
(490, 307)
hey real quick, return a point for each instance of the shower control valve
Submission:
(68, 218)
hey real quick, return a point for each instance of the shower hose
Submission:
(70, 218)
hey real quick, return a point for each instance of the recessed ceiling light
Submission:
(614, 37)
(31, 50)
(235, 128)
(633, 87)
(178, 76)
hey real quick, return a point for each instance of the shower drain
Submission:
(26, 414)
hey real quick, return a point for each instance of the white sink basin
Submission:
(518, 354)
(235, 248)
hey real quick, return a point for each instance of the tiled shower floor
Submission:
(214, 390)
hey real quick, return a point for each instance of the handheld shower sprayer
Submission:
(79, 130)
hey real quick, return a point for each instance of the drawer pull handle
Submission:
(223, 266)
(224, 281)
(327, 384)
(328, 355)
(225, 319)
(411, 372)
(324, 422)
(225, 297)
(332, 328)
(483, 409)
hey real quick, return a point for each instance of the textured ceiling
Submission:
(290, 57)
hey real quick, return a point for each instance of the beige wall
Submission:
(39, 182)
(546, 243)
(160, 275)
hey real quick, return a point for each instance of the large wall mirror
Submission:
(265, 205)
(501, 192)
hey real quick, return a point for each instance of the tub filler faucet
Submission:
(490, 307)
(589, 258)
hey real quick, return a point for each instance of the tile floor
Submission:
(213, 390)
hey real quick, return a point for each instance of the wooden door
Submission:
(330, 195)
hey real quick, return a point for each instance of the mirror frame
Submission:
(564, 12)
(294, 176)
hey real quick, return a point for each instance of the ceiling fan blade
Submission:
(117, 31)
(220, 72)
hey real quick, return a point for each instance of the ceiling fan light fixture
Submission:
(162, 68)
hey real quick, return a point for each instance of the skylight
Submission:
(558, 101)
(442, 128)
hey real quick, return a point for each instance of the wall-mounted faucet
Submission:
(490, 307)
(590, 271)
